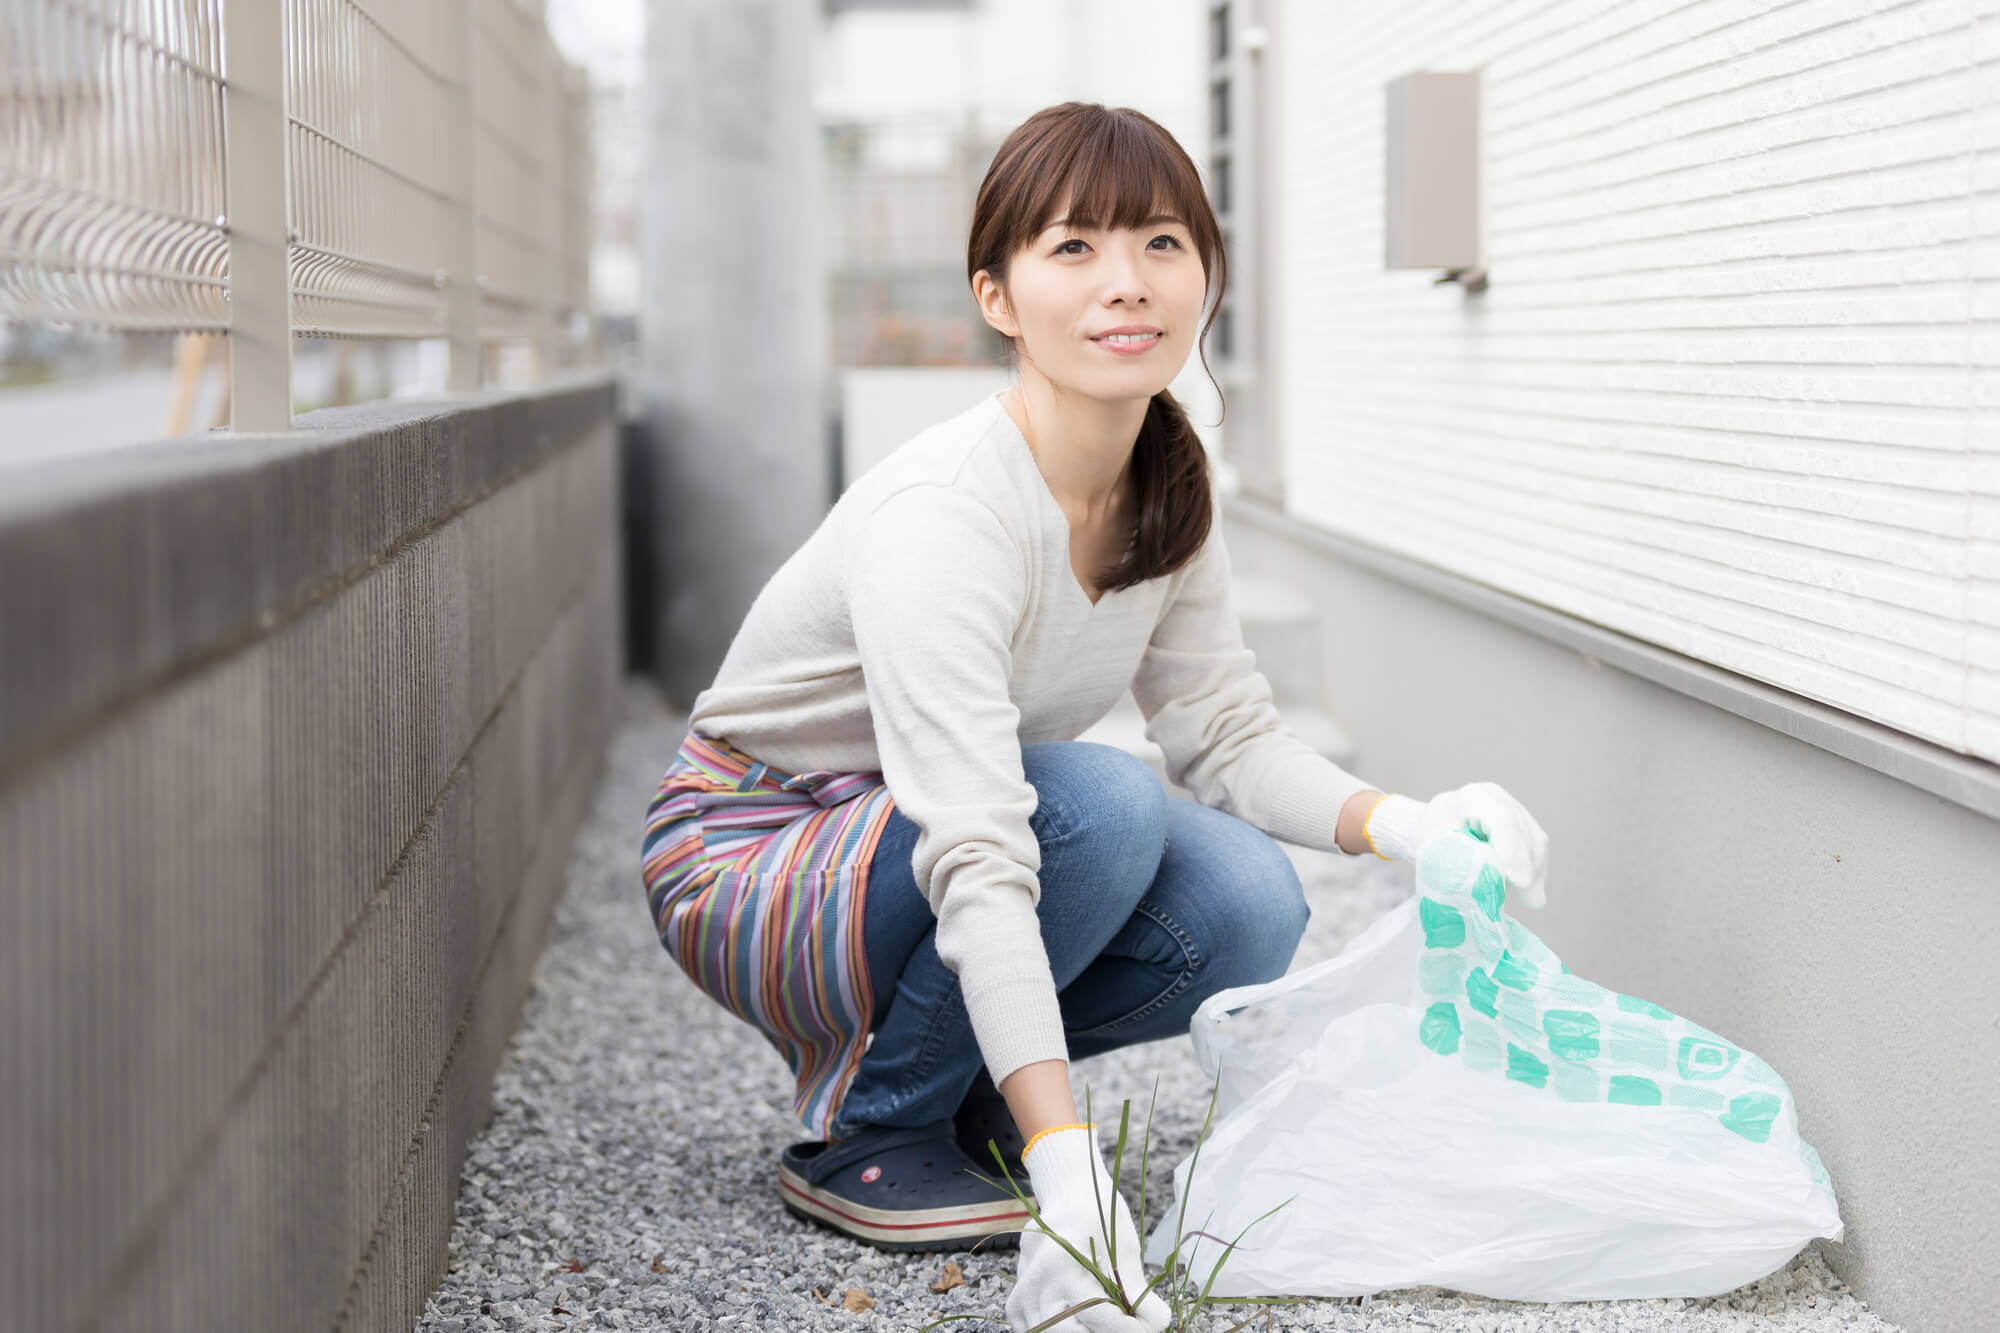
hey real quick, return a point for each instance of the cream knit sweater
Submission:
(932, 625)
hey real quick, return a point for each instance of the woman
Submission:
(880, 843)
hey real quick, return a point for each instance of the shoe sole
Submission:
(958, 1227)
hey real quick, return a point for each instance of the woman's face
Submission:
(1072, 291)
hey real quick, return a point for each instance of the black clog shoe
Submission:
(984, 1115)
(901, 1189)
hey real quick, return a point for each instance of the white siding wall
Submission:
(1735, 388)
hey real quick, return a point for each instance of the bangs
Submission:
(1117, 175)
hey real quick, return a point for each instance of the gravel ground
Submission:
(628, 1176)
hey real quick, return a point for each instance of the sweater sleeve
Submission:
(936, 588)
(1209, 708)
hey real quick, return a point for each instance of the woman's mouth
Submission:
(1128, 344)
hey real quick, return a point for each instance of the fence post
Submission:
(544, 203)
(580, 211)
(548, 201)
(254, 157)
(460, 261)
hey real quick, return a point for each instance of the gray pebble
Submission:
(635, 1120)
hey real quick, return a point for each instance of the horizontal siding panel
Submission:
(1918, 429)
(1727, 389)
(1630, 606)
(1924, 289)
(1903, 181)
(1866, 247)
(1862, 350)
(1916, 83)
(1877, 639)
(1760, 442)
(1698, 500)
(1758, 80)
(1946, 387)
(1985, 300)
(1585, 189)
(1983, 651)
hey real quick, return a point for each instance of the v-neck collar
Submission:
(1018, 443)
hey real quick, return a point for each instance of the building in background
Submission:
(607, 38)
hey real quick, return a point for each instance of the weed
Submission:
(1186, 1308)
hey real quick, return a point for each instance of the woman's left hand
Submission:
(1399, 826)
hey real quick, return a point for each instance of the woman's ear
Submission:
(993, 304)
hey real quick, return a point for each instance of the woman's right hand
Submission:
(1069, 1178)
(1399, 826)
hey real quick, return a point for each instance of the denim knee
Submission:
(1270, 914)
(1104, 816)
(1100, 793)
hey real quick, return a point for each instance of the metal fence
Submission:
(270, 168)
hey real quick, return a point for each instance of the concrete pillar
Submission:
(732, 383)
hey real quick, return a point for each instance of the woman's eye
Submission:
(1063, 248)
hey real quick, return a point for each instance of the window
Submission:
(1240, 81)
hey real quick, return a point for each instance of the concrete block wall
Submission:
(295, 732)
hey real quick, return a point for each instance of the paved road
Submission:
(42, 423)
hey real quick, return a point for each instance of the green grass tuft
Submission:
(1185, 1305)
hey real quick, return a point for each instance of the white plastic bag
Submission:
(1446, 1104)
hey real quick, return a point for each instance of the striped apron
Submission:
(757, 880)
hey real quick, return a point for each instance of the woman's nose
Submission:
(1124, 280)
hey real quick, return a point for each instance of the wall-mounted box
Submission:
(1431, 193)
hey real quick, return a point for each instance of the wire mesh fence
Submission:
(280, 168)
(111, 164)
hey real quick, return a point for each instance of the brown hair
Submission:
(1113, 165)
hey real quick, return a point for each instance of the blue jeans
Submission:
(1149, 905)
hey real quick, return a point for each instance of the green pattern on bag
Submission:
(1516, 972)
(1633, 1090)
(1444, 928)
(1440, 1027)
(1480, 990)
(1488, 891)
(1572, 1033)
(1528, 1018)
(1525, 1068)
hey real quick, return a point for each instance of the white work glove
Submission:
(1398, 827)
(1061, 1164)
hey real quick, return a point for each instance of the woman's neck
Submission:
(1082, 445)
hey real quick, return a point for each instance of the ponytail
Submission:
(1172, 493)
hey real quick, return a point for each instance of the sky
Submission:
(607, 37)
